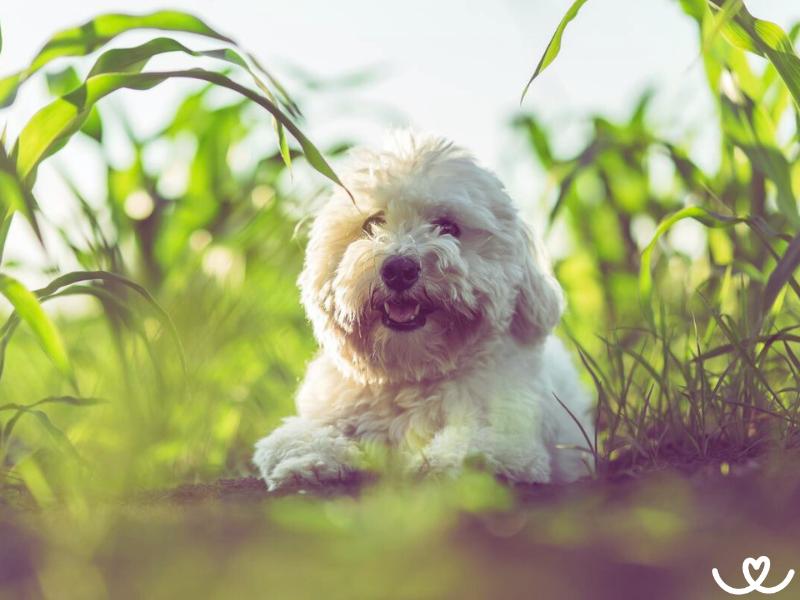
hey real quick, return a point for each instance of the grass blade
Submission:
(589, 445)
(554, 47)
(28, 309)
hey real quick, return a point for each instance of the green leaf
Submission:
(14, 195)
(86, 38)
(71, 400)
(554, 47)
(575, 169)
(283, 144)
(50, 128)
(781, 274)
(28, 309)
(694, 8)
(59, 436)
(768, 40)
(749, 126)
(706, 217)
(61, 83)
(93, 126)
(134, 60)
(68, 285)
(720, 21)
(538, 137)
(82, 276)
(6, 215)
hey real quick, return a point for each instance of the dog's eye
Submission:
(372, 223)
(447, 227)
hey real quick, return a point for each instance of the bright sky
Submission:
(453, 66)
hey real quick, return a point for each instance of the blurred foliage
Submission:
(186, 340)
(195, 340)
(696, 357)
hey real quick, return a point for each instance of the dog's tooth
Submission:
(416, 311)
(386, 307)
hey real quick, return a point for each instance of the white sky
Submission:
(456, 67)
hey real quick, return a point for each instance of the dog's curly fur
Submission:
(479, 373)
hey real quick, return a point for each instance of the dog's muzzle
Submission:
(400, 312)
(400, 272)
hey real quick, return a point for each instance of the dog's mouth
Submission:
(404, 314)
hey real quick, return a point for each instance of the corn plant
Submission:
(204, 207)
(700, 357)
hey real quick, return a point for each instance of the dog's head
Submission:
(426, 270)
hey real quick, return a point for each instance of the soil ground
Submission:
(655, 536)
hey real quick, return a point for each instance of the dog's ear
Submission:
(540, 301)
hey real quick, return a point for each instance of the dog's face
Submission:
(426, 270)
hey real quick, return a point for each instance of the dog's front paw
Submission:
(443, 457)
(301, 454)
(301, 471)
(430, 467)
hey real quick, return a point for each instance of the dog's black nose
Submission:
(400, 272)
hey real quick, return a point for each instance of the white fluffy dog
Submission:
(433, 308)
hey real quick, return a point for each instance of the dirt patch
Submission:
(654, 536)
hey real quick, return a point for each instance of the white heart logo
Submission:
(758, 564)
(750, 566)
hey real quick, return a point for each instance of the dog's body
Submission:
(433, 309)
